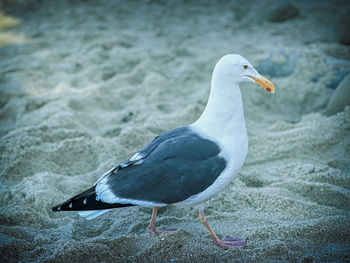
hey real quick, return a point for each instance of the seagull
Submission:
(185, 166)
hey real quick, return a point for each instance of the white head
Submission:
(235, 69)
(224, 114)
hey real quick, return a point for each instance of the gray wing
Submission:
(170, 169)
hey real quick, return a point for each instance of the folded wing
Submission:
(173, 167)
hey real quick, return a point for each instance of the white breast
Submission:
(222, 122)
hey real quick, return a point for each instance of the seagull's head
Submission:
(237, 69)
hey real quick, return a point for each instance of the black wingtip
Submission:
(56, 208)
(85, 201)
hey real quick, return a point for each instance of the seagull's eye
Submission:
(245, 66)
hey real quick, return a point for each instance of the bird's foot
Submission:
(230, 242)
(156, 232)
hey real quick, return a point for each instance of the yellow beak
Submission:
(265, 83)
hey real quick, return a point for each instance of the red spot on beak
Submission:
(268, 89)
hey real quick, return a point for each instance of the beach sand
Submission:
(91, 82)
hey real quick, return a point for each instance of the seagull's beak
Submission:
(265, 83)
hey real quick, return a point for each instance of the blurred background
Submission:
(85, 84)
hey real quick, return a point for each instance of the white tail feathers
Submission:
(92, 214)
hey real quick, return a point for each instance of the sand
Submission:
(93, 81)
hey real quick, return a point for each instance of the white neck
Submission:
(223, 117)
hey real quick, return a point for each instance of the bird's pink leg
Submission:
(152, 225)
(224, 243)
